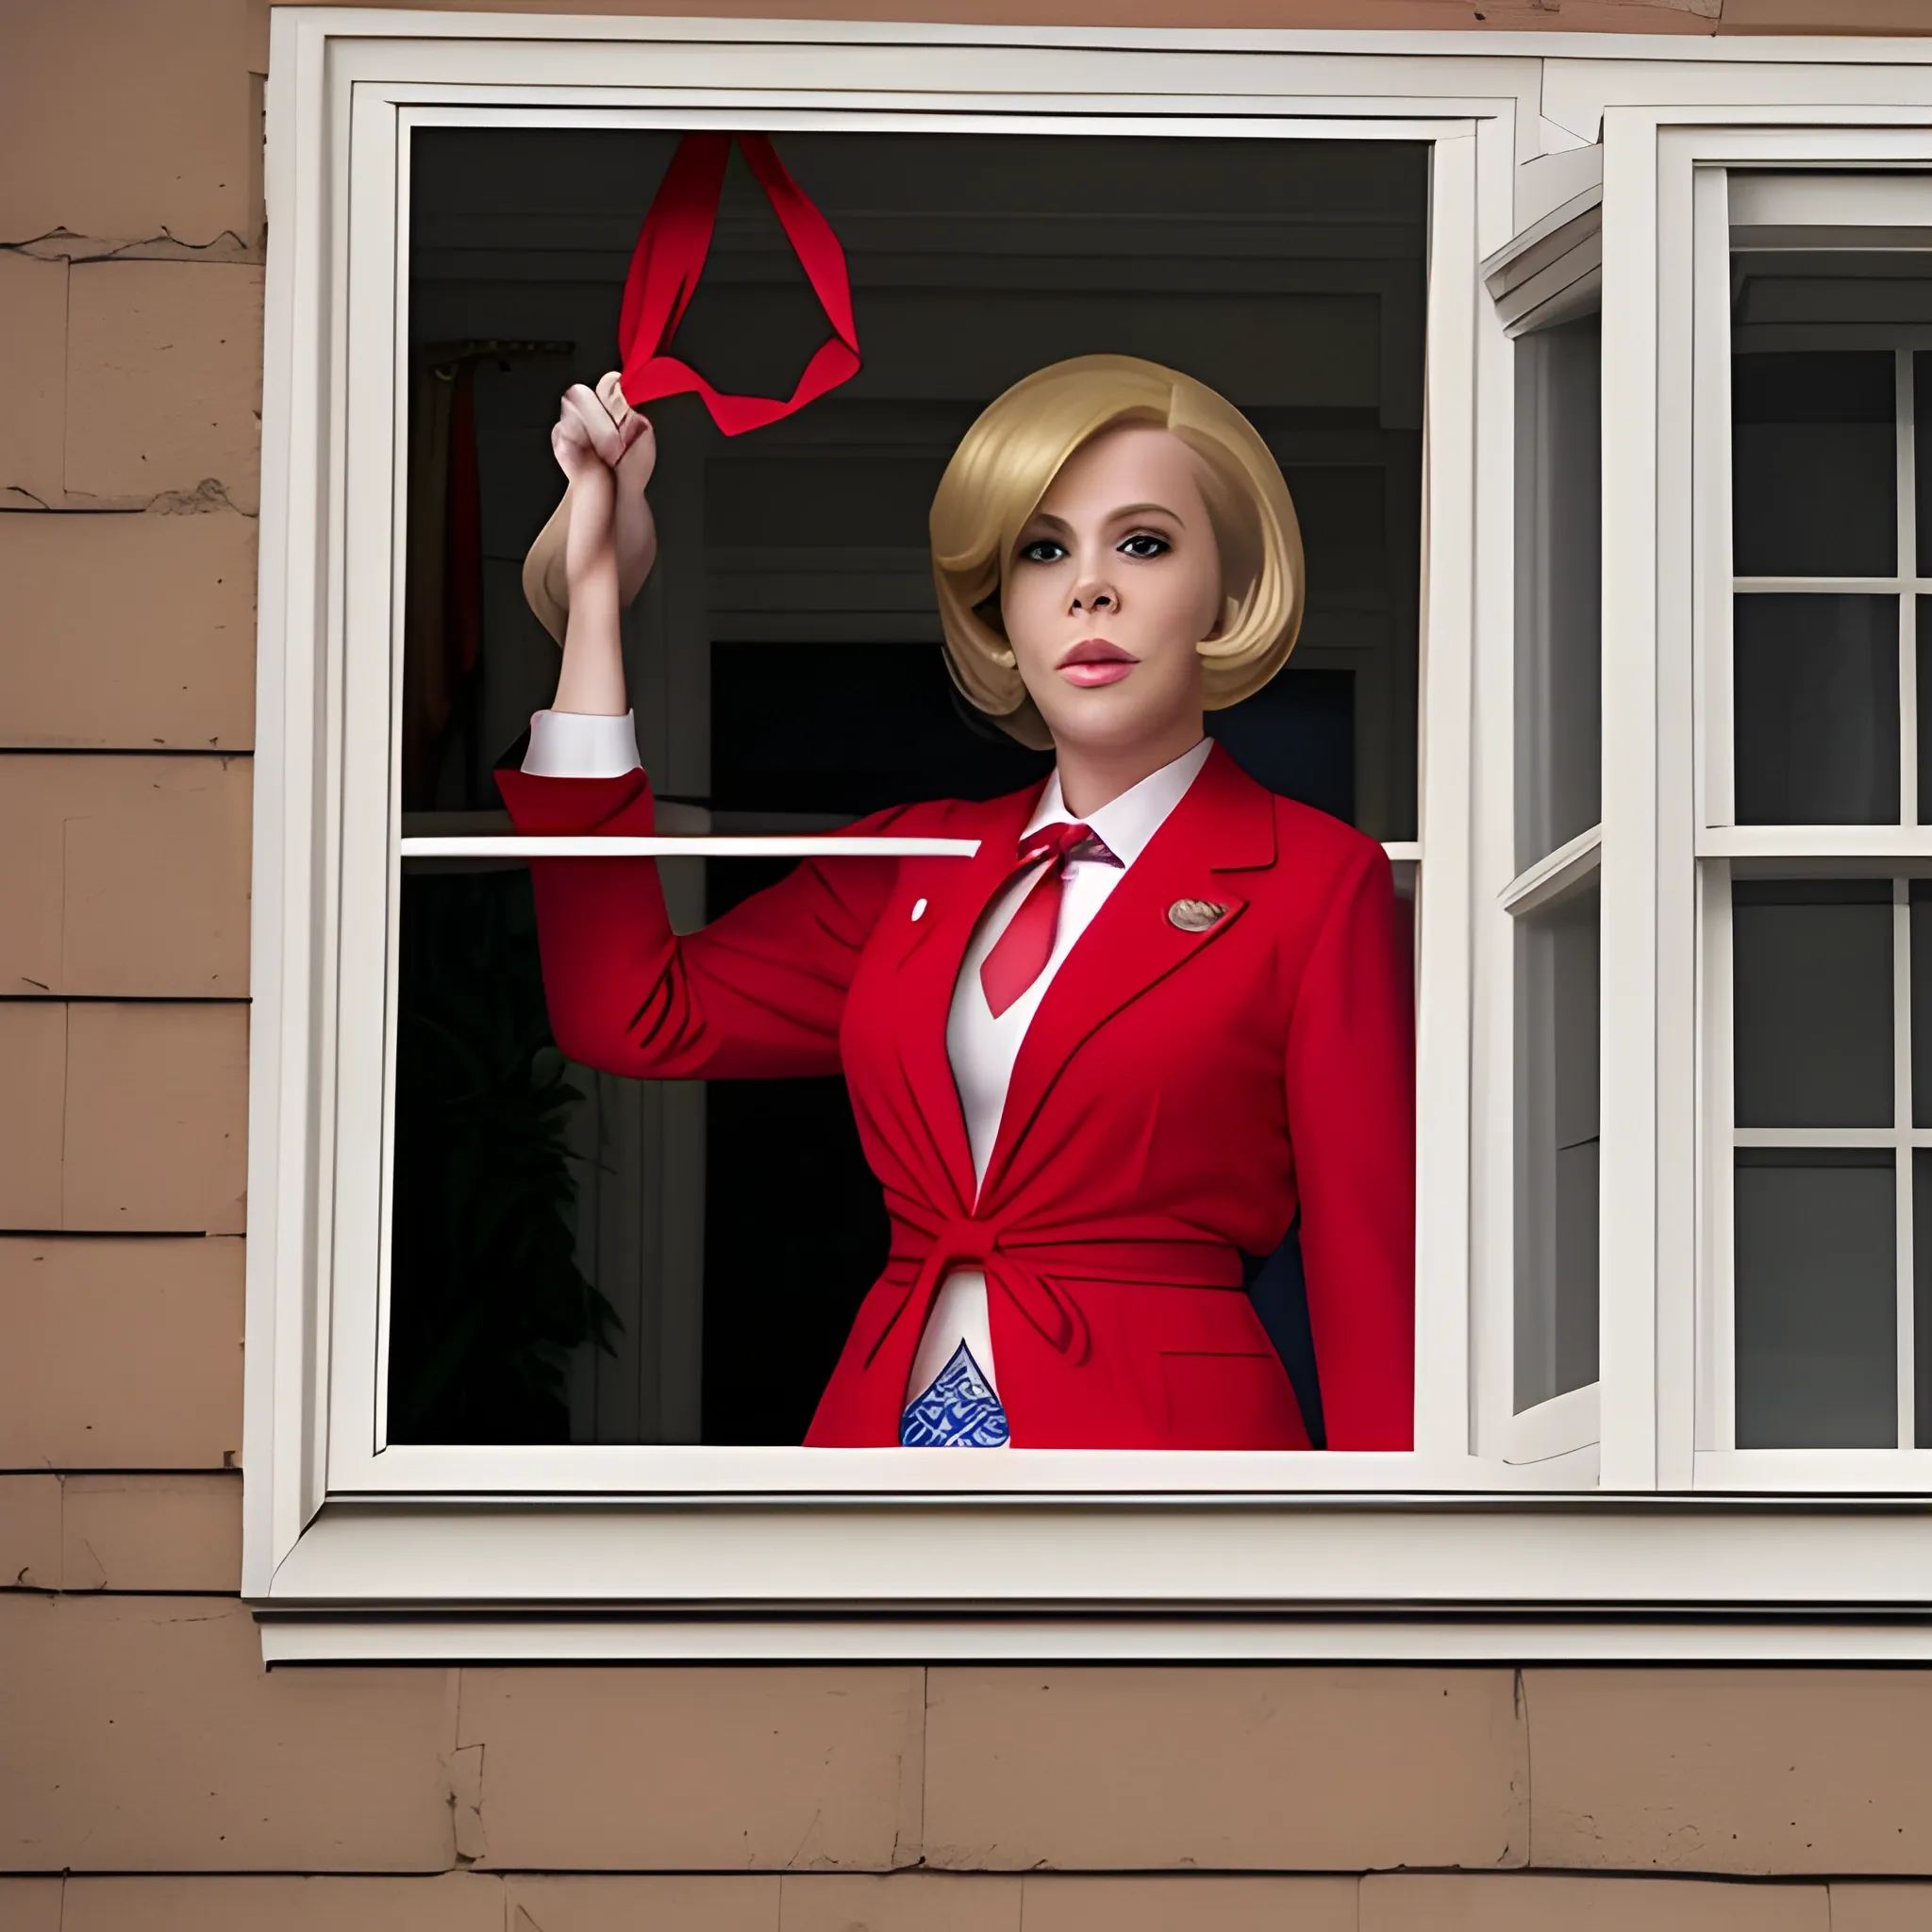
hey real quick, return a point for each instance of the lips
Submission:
(1096, 661)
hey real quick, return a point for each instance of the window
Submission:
(1818, 951)
(1553, 901)
(1537, 929)
(1292, 266)
(1643, 739)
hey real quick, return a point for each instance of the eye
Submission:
(1042, 550)
(1144, 544)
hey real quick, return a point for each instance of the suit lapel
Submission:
(956, 892)
(1223, 825)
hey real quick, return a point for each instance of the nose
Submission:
(1095, 596)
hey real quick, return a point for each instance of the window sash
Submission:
(367, 348)
(1820, 212)
(1561, 1432)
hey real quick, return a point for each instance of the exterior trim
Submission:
(1207, 1639)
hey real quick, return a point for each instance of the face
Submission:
(1114, 580)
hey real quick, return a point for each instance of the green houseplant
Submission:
(488, 1302)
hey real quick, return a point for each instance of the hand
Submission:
(608, 452)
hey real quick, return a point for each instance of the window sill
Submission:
(1203, 1577)
(685, 1471)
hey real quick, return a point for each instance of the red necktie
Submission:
(1019, 954)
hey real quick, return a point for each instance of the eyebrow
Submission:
(1113, 516)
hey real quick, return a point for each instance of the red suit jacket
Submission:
(1178, 1098)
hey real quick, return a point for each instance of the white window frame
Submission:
(789, 1552)
(1725, 849)
(1549, 273)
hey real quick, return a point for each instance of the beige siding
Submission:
(143, 1734)
(728, 1768)
(30, 1531)
(716, 1904)
(130, 119)
(146, 1754)
(123, 1116)
(1732, 1771)
(449, 1903)
(1880, 1907)
(30, 1905)
(126, 875)
(163, 381)
(1201, 1905)
(918, 1901)
(1233, 1770)
(132, 632)
(33, 354)
(142, 383)
(120, 1354)
(33, 1049)
(1589, 1904)
(151, 1532)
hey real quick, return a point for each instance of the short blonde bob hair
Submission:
(1006, 464)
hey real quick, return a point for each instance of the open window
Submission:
(1481, 686)
(1539, 1367)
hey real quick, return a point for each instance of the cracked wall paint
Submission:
(464, 1766)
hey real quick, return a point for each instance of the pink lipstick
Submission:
(1096, 661)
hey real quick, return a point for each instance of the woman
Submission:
(1159, 1017)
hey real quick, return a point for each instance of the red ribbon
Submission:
(670, 256)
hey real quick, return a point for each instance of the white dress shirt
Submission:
(982, 1047)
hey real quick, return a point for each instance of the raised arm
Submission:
(761, 992)
(757, 994)
(1350, 1114)
(594, 555)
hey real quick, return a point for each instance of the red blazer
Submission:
(1179, 1097)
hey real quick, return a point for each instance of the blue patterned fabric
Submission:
(958, 1411)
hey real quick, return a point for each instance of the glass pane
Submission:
(1558, 611)
(1817, 1324)
(1814, 464)
(1811, 961)
(1922, 1297)
(1922, 724)
(786, 665)
(1557, 959)
(544, 1260)
(1921, 895)
(488, 1290)
(1922, 451)
(1816, 689)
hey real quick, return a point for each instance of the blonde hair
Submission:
(1006, 464)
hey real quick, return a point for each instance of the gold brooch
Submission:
(1194, 915)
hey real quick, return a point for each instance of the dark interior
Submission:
(786, 669)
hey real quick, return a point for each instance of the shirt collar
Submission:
(1125, 825)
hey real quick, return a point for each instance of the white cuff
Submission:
(577, 744)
